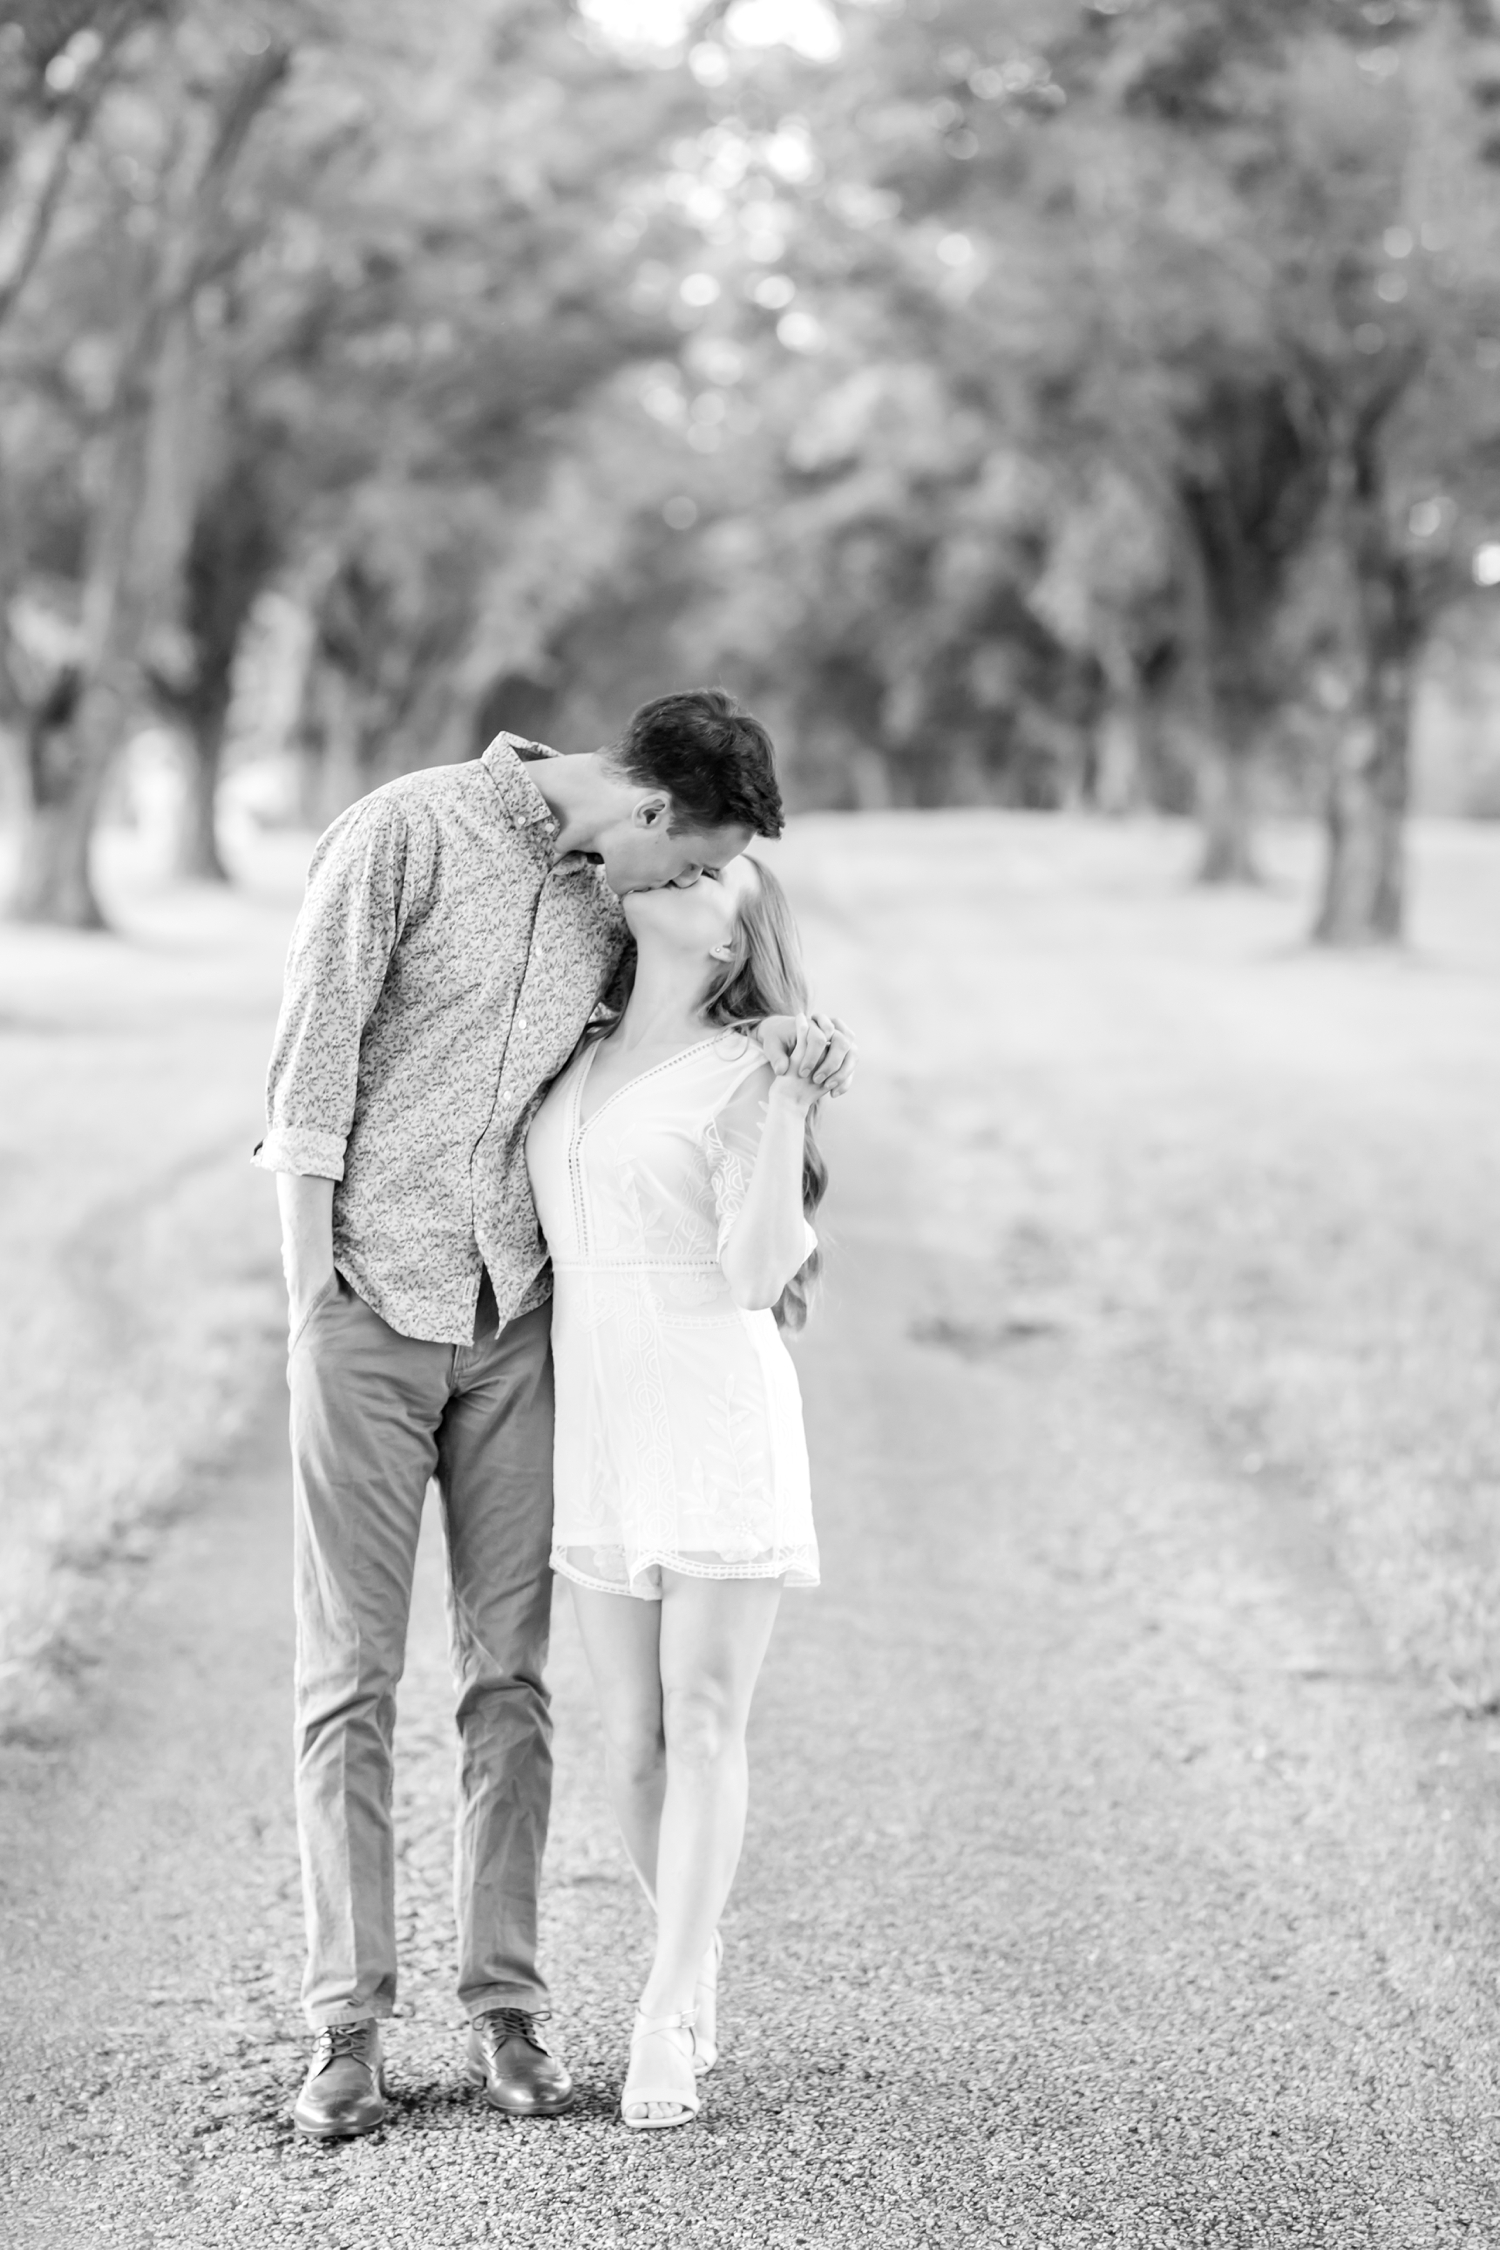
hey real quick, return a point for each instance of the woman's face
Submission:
(689, 920)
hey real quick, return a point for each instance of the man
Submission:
(459, 928)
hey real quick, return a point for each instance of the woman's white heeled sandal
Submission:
(706, 2009)
(663, 2074)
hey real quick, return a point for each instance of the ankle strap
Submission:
(682, 2021)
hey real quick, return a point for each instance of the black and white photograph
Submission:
(750, 1124)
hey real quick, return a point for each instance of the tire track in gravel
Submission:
(168, 1380)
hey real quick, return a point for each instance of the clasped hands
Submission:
(812, 1055)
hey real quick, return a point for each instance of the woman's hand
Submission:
(823, 1047)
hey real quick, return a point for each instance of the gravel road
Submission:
(1105, 1884)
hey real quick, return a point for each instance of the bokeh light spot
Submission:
(640, 23)
(809, 27)
(800, 332)
(709, 64)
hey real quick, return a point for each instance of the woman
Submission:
(674, 1175)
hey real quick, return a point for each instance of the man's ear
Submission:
(654, 811)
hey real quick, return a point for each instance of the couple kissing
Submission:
(541, 1110)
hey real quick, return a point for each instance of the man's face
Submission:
(643, 853)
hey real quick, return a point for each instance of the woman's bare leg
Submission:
(621, 1639)
(674, 1681)
(714, 1636)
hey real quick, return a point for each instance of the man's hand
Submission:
(823, 1047)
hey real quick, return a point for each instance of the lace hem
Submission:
(609, 1570)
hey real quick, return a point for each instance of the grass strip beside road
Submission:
(140, 1316)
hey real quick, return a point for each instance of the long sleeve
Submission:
(366, 874)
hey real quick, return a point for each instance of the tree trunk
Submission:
(341, 778)
(68, 752)
(1369, 782)
(1219, 703)
(72, 754)
(54, 884)
(198, 857)
(1117, 760)
(141, 524)
(1363, 899)
(1226, 806)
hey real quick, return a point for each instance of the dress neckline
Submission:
(668, 1063)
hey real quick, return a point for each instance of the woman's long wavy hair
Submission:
(763, 977)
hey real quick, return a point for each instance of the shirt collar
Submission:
(518, 793)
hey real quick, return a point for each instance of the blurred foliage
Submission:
(1023, 403)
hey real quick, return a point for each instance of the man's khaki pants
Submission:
(375, 1415)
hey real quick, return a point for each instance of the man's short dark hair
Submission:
(714, 761)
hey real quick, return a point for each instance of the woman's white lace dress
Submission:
(679, 1420)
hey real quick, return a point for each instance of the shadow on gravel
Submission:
(981, 1339)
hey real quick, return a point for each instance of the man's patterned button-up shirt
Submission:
(443, 965)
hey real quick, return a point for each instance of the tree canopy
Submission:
(1023, 403)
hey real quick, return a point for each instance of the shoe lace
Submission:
(514, 2023)
(337, 2040)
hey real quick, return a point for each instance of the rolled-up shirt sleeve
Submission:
(361, 886)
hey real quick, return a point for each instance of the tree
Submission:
(1312, 413)
(1407, 218)
(376, 310)
(1177, 243)
(1002, 401)
(234, 549)
(207, 93)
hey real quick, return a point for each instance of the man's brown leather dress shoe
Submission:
(509, 2058)
(344, 2091)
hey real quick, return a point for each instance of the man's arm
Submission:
(306, 1204)
(359, 893)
